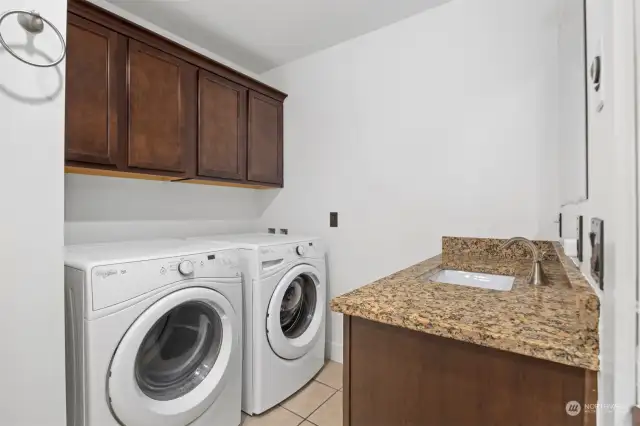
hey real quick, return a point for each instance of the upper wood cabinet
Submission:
(95, 65)
(140, 105)
(161, 110)
(222, 136)
(265, 139)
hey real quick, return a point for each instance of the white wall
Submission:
(112, 209)
(612, 197)
(572, 131)
(31, 226)
(442, 124)
(165, 33)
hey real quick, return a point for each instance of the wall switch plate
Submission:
(333, 219)
(284, 231)
(271, 230)
(596, 237)
(580, 241)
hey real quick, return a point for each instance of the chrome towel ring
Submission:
(33, 23)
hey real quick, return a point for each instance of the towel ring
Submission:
(33, 23)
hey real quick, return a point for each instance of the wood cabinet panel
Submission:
(161, 110)
(265, 139)
(222, 136)
(404, 377)
(134, 31)
(95, 74)
(141, 105)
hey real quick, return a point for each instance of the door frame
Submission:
(621, 295)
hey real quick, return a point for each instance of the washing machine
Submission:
(285, 315)
(153, 334)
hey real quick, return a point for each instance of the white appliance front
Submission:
(285, 314)
(171, 356)
(289, 332)
(179, 350)
(119, 370)
(295, 312)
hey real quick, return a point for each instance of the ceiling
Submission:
(263, 34)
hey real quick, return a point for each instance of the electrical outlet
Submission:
(271, 230)
(284, 231)
(333, 219)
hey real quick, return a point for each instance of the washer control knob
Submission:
(300, 250)
(185, 267)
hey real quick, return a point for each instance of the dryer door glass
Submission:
(298, 306)
(179, 351)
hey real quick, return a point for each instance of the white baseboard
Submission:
(334, 351)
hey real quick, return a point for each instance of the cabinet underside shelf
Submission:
(145, 176)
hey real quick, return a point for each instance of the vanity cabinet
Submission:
(397, 376)
(139, 105)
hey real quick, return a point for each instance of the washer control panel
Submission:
(286, 253)
(185, 267)
(112, 284)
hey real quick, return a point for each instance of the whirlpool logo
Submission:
(107, 273)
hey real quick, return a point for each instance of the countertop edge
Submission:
(586, 297)
(499, 344)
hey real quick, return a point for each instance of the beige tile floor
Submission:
(319, 403)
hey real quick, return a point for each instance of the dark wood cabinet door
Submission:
(162, 111)
(222, 136)
(95, 82)
(265, 139)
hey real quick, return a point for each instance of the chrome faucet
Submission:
(536, 276)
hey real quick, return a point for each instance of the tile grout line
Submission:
(292, 412)
(327, 385)
(314, 379)
(325, 401)
(317, 408)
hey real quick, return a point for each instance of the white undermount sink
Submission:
(474, 279)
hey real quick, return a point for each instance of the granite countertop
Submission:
(558, 322)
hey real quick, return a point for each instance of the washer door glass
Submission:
(295, 315)
(179, 351)
(298, 306)
(176, 358)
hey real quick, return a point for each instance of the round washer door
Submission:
(171, 364)
(295, 312)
